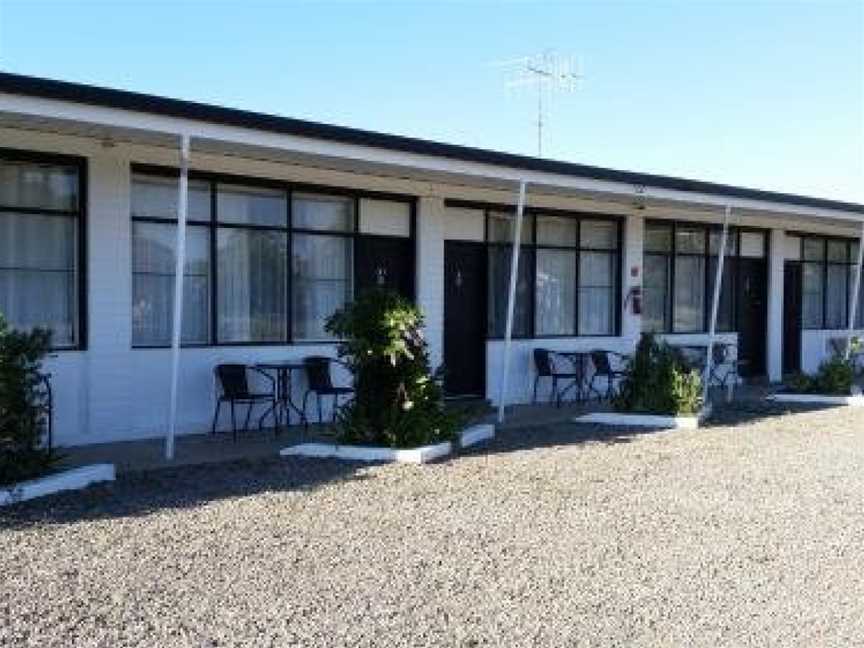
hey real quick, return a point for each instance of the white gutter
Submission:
(177, 328)
(715, 305)
(853, 312)
(511, 298)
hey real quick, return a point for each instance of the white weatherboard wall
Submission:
(111, 391)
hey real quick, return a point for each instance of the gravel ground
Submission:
(736, 535)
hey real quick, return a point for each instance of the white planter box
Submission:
(824, 399)
(476, 434)
(622, 419)
(74, 479)
(424, 454)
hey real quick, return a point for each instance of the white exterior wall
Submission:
(111, 391)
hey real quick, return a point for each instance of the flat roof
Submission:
(135, 101)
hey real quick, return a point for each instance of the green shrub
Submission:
(835, 377)
(399, 401)
(658, 381)
(800, 383)
(23, 454)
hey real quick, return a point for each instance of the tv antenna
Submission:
(548, 71)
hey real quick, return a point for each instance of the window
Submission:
(154, 255)
(568, 280)
(322, 264)
(264, 264)
(153, 264)
(828, 282)
(555, 287)
(41, 225)
(680, 265)
(598, 277)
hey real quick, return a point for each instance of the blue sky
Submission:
(764, 94)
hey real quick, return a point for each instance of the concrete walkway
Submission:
(194, 449)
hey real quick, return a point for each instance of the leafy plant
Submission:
(23, 454)
(658, 381)
(399, 401)
(800, 383)
(835, 377)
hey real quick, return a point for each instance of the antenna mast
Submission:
(547, 70)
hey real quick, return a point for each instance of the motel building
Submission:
(287, 220)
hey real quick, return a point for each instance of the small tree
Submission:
(658, 381)
(398, 399)
(23, 454)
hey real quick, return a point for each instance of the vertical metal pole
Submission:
(511, 298)
(183, 191)
(715, 305)
(853, 311)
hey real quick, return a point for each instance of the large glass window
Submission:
(568, 280)
(598, 277)
(40, 224)
(555, 286)
(679, 270)
(828, 283)
(322, 265)
(282, 261)
(154, 255)
(154, 260)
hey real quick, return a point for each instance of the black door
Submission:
(792, 317)
(752, 298)
(464, 319)
(384, 262)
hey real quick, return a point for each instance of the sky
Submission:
(760, 94)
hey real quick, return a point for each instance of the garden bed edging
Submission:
(73, 479)
(625, 419)
(424, 454)
(856, 400)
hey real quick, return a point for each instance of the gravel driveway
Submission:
(744, 535)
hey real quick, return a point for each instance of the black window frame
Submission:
(80, 214)
(709, 229)
(533, 213)
(214, 179)
(823, 266)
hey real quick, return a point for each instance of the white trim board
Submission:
(816, 399)
(74, 479)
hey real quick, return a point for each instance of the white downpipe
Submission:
(177, 327)
(715, 305)
(511, 297)
(853, 312)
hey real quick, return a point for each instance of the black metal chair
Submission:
(603, 369)
(320, 383)
(724, 365)
(545, 364)
(232, 382)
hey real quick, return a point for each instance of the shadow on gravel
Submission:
(557, 435)
(143, 493)
(750, 412)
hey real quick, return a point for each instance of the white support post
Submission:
(715, 305)
(853, 311)
(511, 298)
(177, 327)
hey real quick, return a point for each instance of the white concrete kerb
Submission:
(424, 454)
(816, 399)
(624, 419)
(74, 479)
